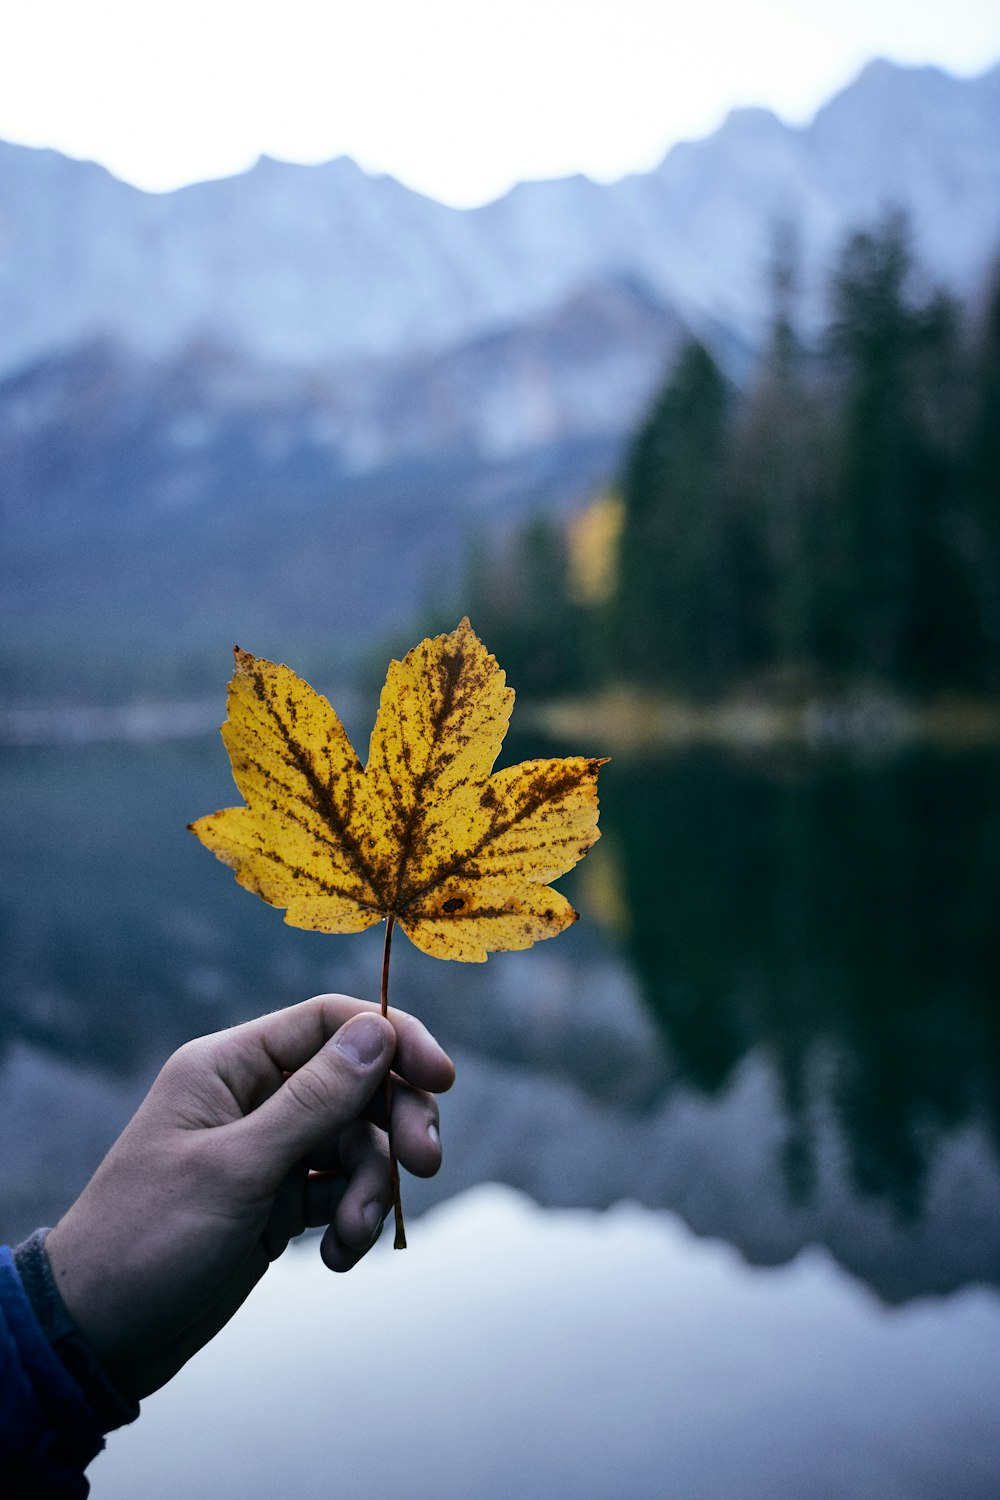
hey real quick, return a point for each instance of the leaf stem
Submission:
(399, 1243)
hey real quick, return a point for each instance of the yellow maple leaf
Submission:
(426, 834)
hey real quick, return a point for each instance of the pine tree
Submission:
(897, 596)
(675, 615)
(777, 478)
(982, 492)
(869, 574)
(518, 595)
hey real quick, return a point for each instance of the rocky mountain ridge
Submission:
(281, 406)
(316, 264)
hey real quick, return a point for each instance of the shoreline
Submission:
(39, 726)
(630, 723)
(626, 722)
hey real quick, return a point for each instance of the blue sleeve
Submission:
(49, 1431)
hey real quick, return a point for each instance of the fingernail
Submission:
(361, 1039)
(374, 1215)
(435, 1135)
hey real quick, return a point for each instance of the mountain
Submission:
(154, 510)
(276, 408)
(321, 263)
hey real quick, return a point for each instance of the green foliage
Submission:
(898, 599)
(522, 607)
(981, 536)
(686, 567)
(835, 523)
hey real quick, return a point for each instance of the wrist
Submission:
(83, 1292)
(110, 1404)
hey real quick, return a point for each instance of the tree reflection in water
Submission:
(808, 953)
(842, 912)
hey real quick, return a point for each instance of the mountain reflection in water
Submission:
(517, 1355)
(784, 1027)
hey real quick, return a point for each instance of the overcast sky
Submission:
(458, 98)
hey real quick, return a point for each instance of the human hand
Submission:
(246, 1138)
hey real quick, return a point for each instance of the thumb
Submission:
(320, 1098)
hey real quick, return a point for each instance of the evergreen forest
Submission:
(832, 523)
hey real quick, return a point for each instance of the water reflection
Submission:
(515, 1354)
(846, 914)
(790, 1036)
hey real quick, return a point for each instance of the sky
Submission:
(457, 98)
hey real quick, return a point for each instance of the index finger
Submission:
(253, 1059)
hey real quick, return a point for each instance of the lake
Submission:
(720, 1208)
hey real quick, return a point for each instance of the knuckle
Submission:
(308, 1089)
(361, 1143)
(376, 1166)
(187, 1059)
(420, 1108)
(381, 1176)
(180, 1059)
